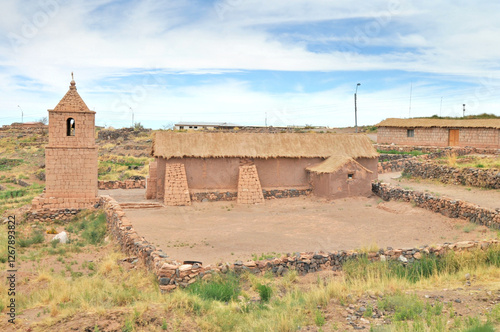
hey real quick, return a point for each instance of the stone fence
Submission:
(127, 184)
(446, 206)
(476, 177)
(172, 273)
(395, 165)
(215, 196)
(459, 151)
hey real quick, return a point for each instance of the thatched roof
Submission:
(442, 123)
(169, 144)
(333, 164)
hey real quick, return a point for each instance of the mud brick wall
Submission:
(176, 187)
(446, 206)
(151, 181)
(127, 184)
(476, 177)
(474, 137)
(249, 189)
(71, 172)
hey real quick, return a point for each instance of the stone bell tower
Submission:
(70, 156)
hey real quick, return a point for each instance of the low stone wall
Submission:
(446, 206)
(172, 273)
(383, 157)
(476, 177)
(127, 184)
(48, 214)
(215, 196)
(459, 151)
(285, 193)
(395, 165)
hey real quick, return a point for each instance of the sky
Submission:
(250, 62)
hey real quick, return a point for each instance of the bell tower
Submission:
(71, 155)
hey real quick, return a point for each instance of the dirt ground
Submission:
(489, 198)
(215, 232)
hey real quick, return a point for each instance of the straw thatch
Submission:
(440, 123)
(333, 164)
(258, 145)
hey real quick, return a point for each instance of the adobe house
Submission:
(248, 163)
(479, 133)
(70, 156)
(340, 176)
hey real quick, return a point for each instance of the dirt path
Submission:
(489, 198)
(224, 231)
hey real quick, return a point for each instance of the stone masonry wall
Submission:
(476, 177)
(459, 151)
(127, 184)
(216, 196)
(446, 206)
(172, 273)
(249, 189)
(176, 186)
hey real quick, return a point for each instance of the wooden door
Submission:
(453, 137)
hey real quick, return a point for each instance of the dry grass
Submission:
(219, 145)
(334, 163)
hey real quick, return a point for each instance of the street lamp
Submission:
(22, 114)
(356, 108)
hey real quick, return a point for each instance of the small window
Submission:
(70, 127)
(181, 127)
(350, 176)
(410, 133)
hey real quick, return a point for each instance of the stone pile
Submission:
(127, 184)
(249, 189)
(476, 177)
(176, 187)
(446, 206)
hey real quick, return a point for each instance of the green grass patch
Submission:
(223, 288)
(7, 164)
(91, 226)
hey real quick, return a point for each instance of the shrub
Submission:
(265, 292)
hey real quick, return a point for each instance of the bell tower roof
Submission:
(72, 102)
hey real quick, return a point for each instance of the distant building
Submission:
(479, 133)
(204, 125)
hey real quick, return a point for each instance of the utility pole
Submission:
(22, 114)
(464, 110)
(132, 116)
(409, 109)
(266, 120)
(356, 107)
(441, 107)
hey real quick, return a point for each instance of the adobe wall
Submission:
(222, 173)
(84, 129)
(336, 185)
(71, 172)
(474, 137)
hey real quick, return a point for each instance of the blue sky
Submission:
(298, 62)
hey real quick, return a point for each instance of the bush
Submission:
(265, 292)
(35, 237)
